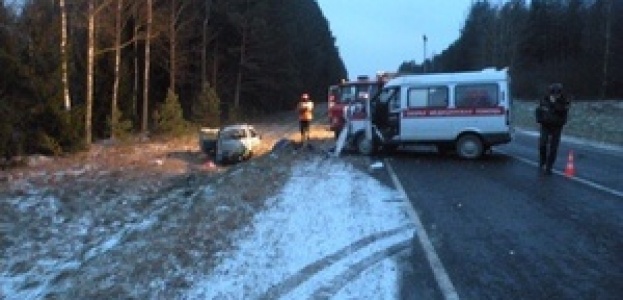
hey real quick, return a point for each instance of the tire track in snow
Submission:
(294, 281)
(354, 270)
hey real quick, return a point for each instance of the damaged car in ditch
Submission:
(230, 144)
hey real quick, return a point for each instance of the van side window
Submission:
(477, 95)
(428, 97)
(438, 97)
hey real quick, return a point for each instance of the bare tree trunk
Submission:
(175, 25)
(243, 50)
(204, 42)
(215, 65)
(241, 63)
(136, 71)
(90, 73)
(608, 40)
(115, 93)
(147, 63)
(64, 58)
(172, 46)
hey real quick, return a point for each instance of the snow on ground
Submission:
(330, 231)
(329, 224)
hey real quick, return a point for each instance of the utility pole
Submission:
(424, 59)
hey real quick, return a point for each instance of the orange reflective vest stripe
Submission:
(305, 110)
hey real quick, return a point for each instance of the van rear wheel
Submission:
(469, 146)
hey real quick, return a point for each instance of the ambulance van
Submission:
(466, 112)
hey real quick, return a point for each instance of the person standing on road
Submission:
(551, 114)
(306, 114)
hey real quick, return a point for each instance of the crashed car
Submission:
(232, 143)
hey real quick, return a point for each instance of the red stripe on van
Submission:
(453, 112)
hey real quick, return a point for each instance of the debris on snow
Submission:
(377, 165)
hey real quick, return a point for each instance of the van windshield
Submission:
(357, 92)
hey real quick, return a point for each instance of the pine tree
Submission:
(120, 128)
(169, 119)
(206, 110)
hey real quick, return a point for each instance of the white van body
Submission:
(468, 112)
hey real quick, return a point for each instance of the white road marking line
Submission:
(612, 148)
(441, 276)
(586, 182)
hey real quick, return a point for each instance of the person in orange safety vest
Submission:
(305, 111)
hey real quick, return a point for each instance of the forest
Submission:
(78, 71)
(575, 42)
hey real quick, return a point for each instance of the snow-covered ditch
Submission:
(315, 227)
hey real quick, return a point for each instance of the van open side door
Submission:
(386, 113)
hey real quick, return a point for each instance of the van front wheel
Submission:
(364, 145)
(469, 146)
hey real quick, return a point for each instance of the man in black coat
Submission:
(552, 115)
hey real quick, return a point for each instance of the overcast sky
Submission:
(378, 35)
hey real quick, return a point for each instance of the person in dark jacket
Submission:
(551, 114)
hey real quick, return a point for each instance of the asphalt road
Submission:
(504, 231)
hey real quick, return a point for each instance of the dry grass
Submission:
(597, 121)
(196, 210)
